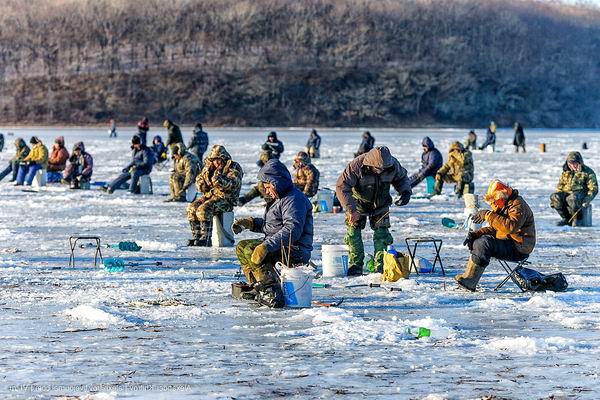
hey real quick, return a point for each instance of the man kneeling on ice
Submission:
(287, 219)
(510, 235)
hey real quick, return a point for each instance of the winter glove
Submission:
(479, 216)
(242, 223)
(259, 254)
(403, 199)
(469, 240)
(241, 201)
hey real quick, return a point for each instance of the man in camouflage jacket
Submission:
(306, 175)
(576, 189)
(219, 182)
(187, 167)
(458, 169)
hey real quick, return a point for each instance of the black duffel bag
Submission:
(530, 279)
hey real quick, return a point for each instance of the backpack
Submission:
(532, 280)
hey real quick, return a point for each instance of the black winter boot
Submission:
(268, 287)
(205, 234)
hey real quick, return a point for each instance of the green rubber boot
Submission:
(381, 239)
(356, 256)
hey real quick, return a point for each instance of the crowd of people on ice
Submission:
(363, 191)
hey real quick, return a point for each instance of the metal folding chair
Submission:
(412, 251)
(511, 273)
(73, 244)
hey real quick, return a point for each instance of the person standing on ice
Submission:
(142, 160)
(57, 160)
(271, 149)
(306, 175)
(1, 141)
(187, 167)
(143, 126)
(313, 144)
(367, 144)
(431, 162)
(80, 168)
(363, 189)
(490, 137)
(199, 142)
(174, 136)
(22, 151)
(35, 161)
(112, 132)
(287, 219)
(519, 139)
(510, 235)
(219, 182)
(458, 169)
(576, 189)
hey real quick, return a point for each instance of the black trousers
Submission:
(487, 246)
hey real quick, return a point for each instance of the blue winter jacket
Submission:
(290, 214)
(142, 160)
(490, 139)
(431, 161)
(199, 143)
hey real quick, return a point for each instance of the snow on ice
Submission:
(173, 331)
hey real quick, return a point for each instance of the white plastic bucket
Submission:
(325, 200)
(335, 260)
(297, 287)
(222, 234)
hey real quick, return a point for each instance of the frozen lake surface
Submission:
(175, 332)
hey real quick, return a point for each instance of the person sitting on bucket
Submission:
(22, 151)
(287, 219)
(80, 168)
(142, 160)
(364, 191)
(36, 160)
(57, 160)
(576, 189)
(510, 235)
(187, 167)
(219, 182)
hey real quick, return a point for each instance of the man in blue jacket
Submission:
(431, 161)
(142, 160)
(288, 218)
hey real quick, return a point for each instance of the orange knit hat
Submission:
(497, 194)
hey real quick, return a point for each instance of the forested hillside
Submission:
(309, 62)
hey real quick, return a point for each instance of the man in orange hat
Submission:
(510, 235)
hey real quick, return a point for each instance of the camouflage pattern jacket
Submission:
(571, 181)
(187, 165)
(306, 178)
(223, 183)
(459, 165)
